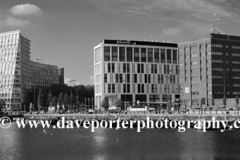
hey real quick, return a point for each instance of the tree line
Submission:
(61, 95)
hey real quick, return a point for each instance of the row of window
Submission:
(217, 45)
(111, 68)
(235, 62)
(140, 88)
(217, 61)
(217, 53)
(235, 77)
(147, 78)
(130, 54)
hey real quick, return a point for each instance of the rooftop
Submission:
(134, 42)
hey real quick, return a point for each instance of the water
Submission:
(109, 144)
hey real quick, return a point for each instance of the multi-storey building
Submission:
(18, 72)
(135, 71)
(61, 75)
(208, 67)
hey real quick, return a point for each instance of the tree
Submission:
(2, 105)
(49, 99)
(66, 100)
(60, 99)
(54, 101)
(40, 99)
(118, 103)
(105, 104)
(72, 99)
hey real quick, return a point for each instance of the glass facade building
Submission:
(135, 71)
(18, 72)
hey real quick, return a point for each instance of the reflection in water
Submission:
(10, 140)
(196, 145)
(99, 142)
(109, 144)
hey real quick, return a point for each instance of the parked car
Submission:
(90, 111)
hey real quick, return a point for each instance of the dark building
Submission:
(210, 69)
(61, 75)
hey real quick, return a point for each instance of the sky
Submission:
(64, 33)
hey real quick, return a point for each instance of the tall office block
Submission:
(210, 69)
(135, 71)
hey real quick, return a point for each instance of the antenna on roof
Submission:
(215, 23)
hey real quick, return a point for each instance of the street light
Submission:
(224, 88)
(168, 99)
(73, 80)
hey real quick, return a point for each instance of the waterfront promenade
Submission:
(232, 115)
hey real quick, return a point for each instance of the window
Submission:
(109, 67)
(117, 78)
(105, 78)
(156, 55)
(159, 78)
(146, 78)
(169, 56)
(128, 68)
(128, 88)
(122, 54)
(136, 54)
(142, 68)
(139, 88)
(124, 88)
(127, 78)
(150, 55)
(175, 55)
(139, 68)
(113, 88)
(129, 54)
(113, 67)
(106, 53)
(114, 53)
(149, 78)
(143, 55)
(163, 58)
(124, 67)
(109, 88)
(135, 78)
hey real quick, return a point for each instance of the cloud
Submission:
(26, 9)
(13, 22)
(171, 31)
(184, 15)
(67, 82)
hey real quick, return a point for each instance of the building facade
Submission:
(61, 75)
(210, 69)
(18, 72)
(135, 71)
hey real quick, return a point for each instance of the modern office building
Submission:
(61, 75)
(18, 72)
(210, 69)
(135, 71)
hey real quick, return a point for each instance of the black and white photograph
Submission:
(119, 79)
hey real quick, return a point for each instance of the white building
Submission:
(135, 71)
(19, 73)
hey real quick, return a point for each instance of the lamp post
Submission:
(168, 99)
(224, 88)
(73, 80)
